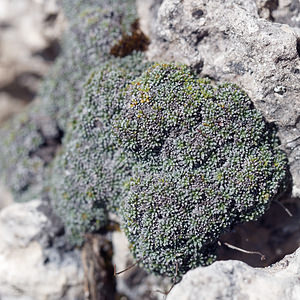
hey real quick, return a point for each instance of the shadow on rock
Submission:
(275, 235)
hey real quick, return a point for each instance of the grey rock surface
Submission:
(29, 34)
(234, 280)
(229, 41)
(148, 10)
(35, 262)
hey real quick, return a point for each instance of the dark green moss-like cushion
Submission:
(205, 160)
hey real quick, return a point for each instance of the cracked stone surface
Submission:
(29, 42)
(35, 262)
(233, 280)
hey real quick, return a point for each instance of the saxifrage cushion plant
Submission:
(205, 160)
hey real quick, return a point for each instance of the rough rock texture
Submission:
(229, 42)
(148, 11)
(228, 280)
(35, 262)
(29, 33)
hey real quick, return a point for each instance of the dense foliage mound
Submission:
(205, 160)
(89, 176)
(95, 26)
(28, 144)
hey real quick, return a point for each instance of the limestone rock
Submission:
(29, 34)
(233, 280)
(35, 262)
(229, 42)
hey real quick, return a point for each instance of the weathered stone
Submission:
(30, 26)
(228, 280)
(35, 262)
(229, 42)
(29, 34)
(148, 11)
